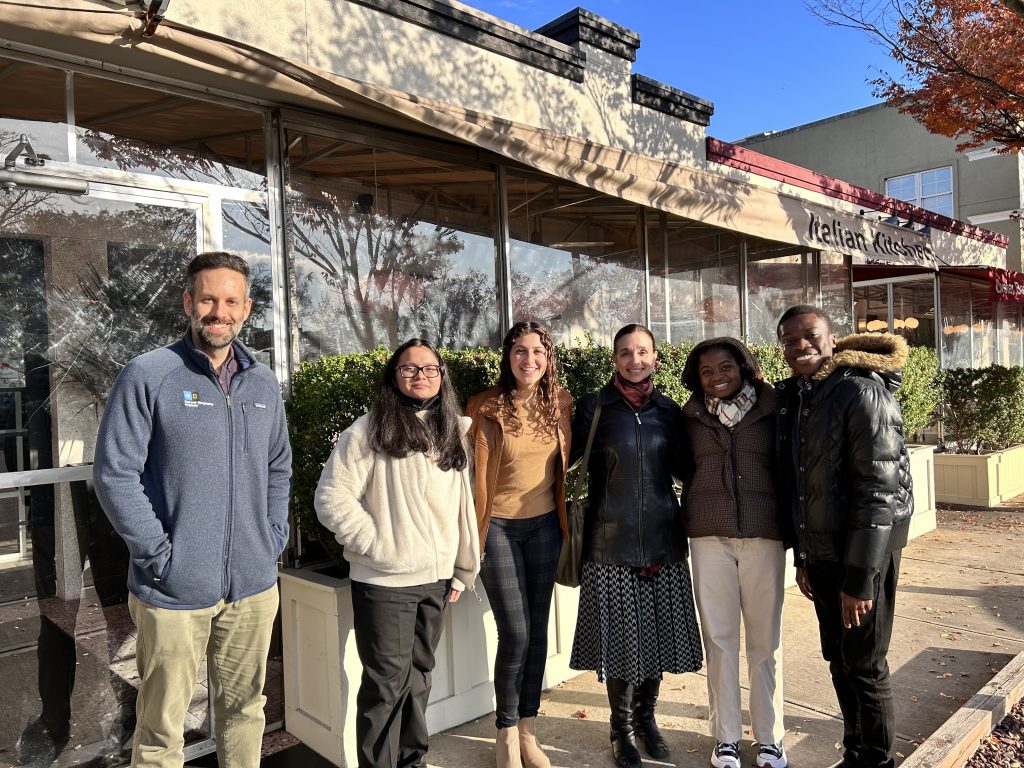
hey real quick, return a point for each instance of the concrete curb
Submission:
(956, 740)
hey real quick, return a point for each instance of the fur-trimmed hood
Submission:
(882, 353)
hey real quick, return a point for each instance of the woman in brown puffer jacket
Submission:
(733, 523)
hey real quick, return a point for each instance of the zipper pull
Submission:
(228, 398)
(637, 414)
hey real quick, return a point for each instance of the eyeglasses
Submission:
(410, 371)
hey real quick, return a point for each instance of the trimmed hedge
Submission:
(983, 408)
(330, 393)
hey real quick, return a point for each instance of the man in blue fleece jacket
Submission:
(193, 468)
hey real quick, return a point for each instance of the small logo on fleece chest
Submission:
(192, 400)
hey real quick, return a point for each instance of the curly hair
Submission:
(750, 369)
(397, 431)
(547, 387)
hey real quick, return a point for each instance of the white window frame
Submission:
(918, 199)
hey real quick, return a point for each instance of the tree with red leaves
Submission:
(963, 63)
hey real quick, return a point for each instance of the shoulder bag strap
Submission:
(586, 451)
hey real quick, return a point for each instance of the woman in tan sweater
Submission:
(520, 437)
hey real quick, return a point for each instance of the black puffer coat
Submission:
(844, 465)
(634, 516)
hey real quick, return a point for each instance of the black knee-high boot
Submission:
(645, 700)
(620, 699)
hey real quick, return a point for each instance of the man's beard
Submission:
(210, 343)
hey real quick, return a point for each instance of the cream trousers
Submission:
(734, 578)
(235, 637)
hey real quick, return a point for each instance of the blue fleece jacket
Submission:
(196, 482)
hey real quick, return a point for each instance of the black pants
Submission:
(397, 631)
(518, 573)
(857, 661)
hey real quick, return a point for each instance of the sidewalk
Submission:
(959, 619)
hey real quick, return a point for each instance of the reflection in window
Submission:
(1009, 346)
(574, 259)
(33, 104)
(913, 312)
(957, 335)
(776, 280)
(695, 281)
(836, 290)
(389, 246)
(247, 233)
(140, 130)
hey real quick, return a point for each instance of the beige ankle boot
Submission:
(529, 747)
(506, 748)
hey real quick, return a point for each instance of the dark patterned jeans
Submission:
(518, 572)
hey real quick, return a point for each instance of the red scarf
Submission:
(636, 394)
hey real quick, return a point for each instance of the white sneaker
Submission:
(726, 755)
(771, 756)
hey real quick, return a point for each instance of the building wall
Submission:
(867, 146)
(360, 42)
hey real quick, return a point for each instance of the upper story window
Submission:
(932, 189)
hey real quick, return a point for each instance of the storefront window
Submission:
(1009, 346)
(34, 106)
(836, 290)
(695, 281)
(777, 279)
(913, 312)
(574, 259)
(86, 283)
(387, 246)
(140, 130)
(957, 335)
(983, 328)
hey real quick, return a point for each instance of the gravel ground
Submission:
(1005, 747)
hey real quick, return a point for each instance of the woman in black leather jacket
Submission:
(636, 615)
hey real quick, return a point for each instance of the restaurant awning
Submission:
(112, 38)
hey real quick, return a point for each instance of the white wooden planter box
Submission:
(322, 669)
(922, 471)
(979, 481)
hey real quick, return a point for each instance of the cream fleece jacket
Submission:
(402, 522)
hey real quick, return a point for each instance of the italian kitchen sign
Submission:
(874, 241)
(1006, 285)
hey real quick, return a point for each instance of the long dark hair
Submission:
(749, 368)
(547, 387)
(396, 430)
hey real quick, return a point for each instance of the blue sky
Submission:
(766, 66)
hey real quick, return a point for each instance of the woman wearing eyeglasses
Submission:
(396, 492)
(520, 436)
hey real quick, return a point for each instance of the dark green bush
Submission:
(983, 408)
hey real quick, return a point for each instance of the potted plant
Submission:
(982, 463)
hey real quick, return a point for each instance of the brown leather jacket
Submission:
(487, 435)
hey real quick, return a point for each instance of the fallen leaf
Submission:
(581, 714)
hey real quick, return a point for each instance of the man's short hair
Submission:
(216, 260)
(803, 309)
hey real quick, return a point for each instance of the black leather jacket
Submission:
(634, 516)
(845, 471)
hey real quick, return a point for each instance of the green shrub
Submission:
(919, 396)
(983, 408)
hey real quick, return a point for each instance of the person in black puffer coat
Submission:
(844, 464)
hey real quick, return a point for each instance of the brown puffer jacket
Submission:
(730, 489)
(487, 435)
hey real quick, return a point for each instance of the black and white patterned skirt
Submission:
(634, 628)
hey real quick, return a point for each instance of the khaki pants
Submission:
(236, 639)
(734, 578)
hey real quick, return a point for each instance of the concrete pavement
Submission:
(959, 619)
